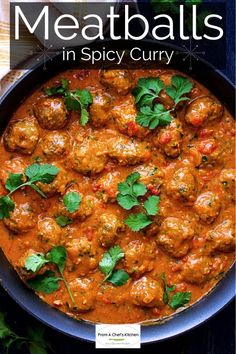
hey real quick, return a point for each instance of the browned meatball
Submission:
(124, 116)
(197, 269)
(221, 238)
(100, 109)
(22, 136)
(147, 292)
(175, 236)
(51, 113)
(89, 156)
(169, 139)
(85, 209)
(139, 257)
(127, 151)
(83, 292)
(211, 151)
(58, 185)
(16, 165)
(202, 110)
(49, 232)
(119, 81)
(182, 186)
(82, 252)
(55, 144)
(207, 206)
(228, 181)
(106, 186)
(21, 219)
(109, 225)
(151, 176)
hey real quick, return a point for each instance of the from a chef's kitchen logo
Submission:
(117, 336)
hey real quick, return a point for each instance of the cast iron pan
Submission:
(187, 319)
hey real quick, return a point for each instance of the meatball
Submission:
(49, 232)
(207, 206)
(89, 157)
(228, 179)
(124, 116)
(127, 151)
(211, 151)
(197, 269)
(202, 110)
(119, 81)
(51, 113)
(182, 186)
(175, 236)
(22, 136)
(55, 144)
(106, 186)
(82, 252)
(83, 292)
(151, 176)
(100, 110)
(109, 226)
(139, 257)
(21, 219)
(147, 292)
(58, 185)
(16, 165)
(221, 238)
(85, 209)
(169, 139)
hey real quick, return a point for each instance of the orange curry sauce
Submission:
(189, 164)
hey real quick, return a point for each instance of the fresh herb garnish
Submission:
(34, 341)
(178, 299)
(76, 100)
(48, 282)
(44, 173)
(129, 193)
(72, 201)
(152, 114)
(63, 220)
(108, 264)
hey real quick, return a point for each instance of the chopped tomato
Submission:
(205, 133)
(165, 138)
(132, 128)
(153, 190)
(207, 147)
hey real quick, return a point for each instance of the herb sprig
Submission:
(48, 282)
(72, 201)
(108, 263)
(128, 197)
(76, 100)
(176, 300)
(44, 173)
(152, 114)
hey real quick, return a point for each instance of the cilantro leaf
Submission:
(63, 220)
(136, 222)
(37, 342)
(167, 289)
(139, 189)
(57, 255)
(55, 90)
(109, 261)
(119, 277)
(127, 202)
(179, 299)
(130, 190)
(6, 206)
(35, 262)
(151, 205)
(179, 86)
(44, 173)
(79, 100)
(151, 118)
(14, 181)
(132, 178)
(5, 330)
(72, 201)
(84, 117)
(147, 90)
(46, 282)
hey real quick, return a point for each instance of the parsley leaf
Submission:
(56, 90)
(130, 190)
(119, 277)
(46, 283)
(57, 255)
(108, 263)
(151, 118)
(167, 289)
(6, 206)
(63, 220)
(35, 173)
(127, 202)
(147, 90)
(35, 262)
(180, 86)
(72, 201)
(179, 299)
(151, 205)
(137, 221)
